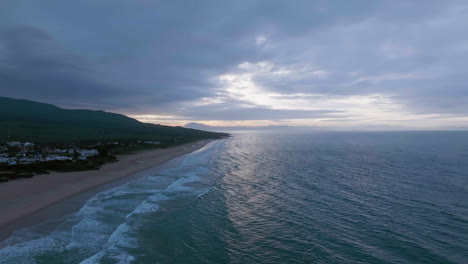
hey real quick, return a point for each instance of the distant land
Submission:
(285, 128)
(204, 127)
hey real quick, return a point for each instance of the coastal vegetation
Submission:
(37, 138)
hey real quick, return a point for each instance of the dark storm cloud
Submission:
(156, 55)
(32, 65)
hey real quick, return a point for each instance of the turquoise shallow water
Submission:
(386, 197)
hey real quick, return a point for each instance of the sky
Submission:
(381, 64)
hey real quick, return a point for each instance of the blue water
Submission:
(336, 197)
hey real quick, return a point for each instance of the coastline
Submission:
(21, 198)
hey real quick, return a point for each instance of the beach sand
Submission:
(24, 197)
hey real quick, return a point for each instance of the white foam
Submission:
(95, 259)
(121, 258)
(113, 247)
(148, 206)
(24, 252)
(89, 233)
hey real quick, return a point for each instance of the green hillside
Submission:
(24, 120)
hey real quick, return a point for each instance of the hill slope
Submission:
(24, 120)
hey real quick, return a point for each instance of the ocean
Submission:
(321, 197)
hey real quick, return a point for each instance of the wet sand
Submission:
(24, 197)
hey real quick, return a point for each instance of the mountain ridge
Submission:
(26, 120)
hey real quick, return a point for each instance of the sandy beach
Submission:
(23, 197)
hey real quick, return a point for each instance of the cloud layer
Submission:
(302, 62)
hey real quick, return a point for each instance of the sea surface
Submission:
(323, 197)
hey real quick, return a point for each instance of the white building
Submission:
(28, 145)
(14, 144)
(85, 153)
(56, 157)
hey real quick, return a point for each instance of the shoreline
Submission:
(22, 198)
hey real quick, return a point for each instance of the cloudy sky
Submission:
(313, 62)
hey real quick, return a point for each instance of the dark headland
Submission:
(48, 154)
